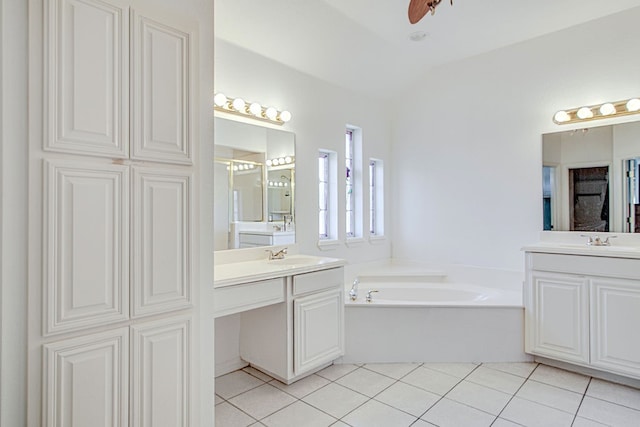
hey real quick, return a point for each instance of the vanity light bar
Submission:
(599, 111)
(250, 109)
(280, 161)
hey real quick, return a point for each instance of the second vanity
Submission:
(582, 304)
(292, 312)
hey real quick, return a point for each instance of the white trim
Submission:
(14, 133)
(328, 244)
(354, 241)
(377, 239)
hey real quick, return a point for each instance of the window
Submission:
(327, 197)
(349, 180)
(323, 193)
(376, 198)
(353, 183)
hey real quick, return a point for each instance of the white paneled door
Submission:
(87, 380)
(86, 227)
(162, 240)
(161, 369)
(318, 332)
(87, 71)
(561, 316)
(615, 310)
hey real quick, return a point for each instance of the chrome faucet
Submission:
(353, 293)
(368, 298)
(277, 255)
(597, 241)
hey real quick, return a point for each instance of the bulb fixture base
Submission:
(606, 110)
(252, 110)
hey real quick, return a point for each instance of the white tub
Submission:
(424, 315)
(418, 294)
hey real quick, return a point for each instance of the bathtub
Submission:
(450, 314)
(419, 294)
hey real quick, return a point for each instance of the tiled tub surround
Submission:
(426, 394)
(454, 314)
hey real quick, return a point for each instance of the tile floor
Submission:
(429, 394)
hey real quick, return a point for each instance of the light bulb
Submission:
(633, 104)
(584, 113)
(269, 162)
(255, 109)
(288, 159)
(561, 117)
(285, 116)
(281, 160)
(220, 99)
(251, 166)
(238, 104)
(235, 167)
(271, 113)
(607, 109)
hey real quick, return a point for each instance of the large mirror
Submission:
(254, 183)
(590, 179)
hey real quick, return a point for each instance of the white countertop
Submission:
(235, 273)
(612, 251)
(268, 232)
(623, 245)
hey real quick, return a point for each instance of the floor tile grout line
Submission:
(516, 392)
(575, 416)
(442, 397)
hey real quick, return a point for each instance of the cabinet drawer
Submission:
(318, 280)
(255, 239)
(237, 298)
(586, 265)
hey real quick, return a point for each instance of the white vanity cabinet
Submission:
(584, 310)
(292, 324)
(118, 217)
(318, 319)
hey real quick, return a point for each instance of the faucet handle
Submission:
(589, 238)
(368, 298)
(607, 242)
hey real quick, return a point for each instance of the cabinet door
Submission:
(318, 330)
(86, 229)
(161, 373)
(162, 88)
(87, 77)
(615, 308)
(561, 316)
(86, 380)
(162, 240)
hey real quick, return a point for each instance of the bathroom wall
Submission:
(467, 143)
(320, 113)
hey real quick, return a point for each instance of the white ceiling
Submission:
(364, 44)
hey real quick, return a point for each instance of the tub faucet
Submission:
(353, 293)
(277, 255)
(369, 294)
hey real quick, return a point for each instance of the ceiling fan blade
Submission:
(418, 9)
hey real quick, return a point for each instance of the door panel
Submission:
(162, 240)
(88, 84)
(162, 92)
(86, 249)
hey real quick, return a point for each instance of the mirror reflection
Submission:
(590, 179)
(254, 183)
